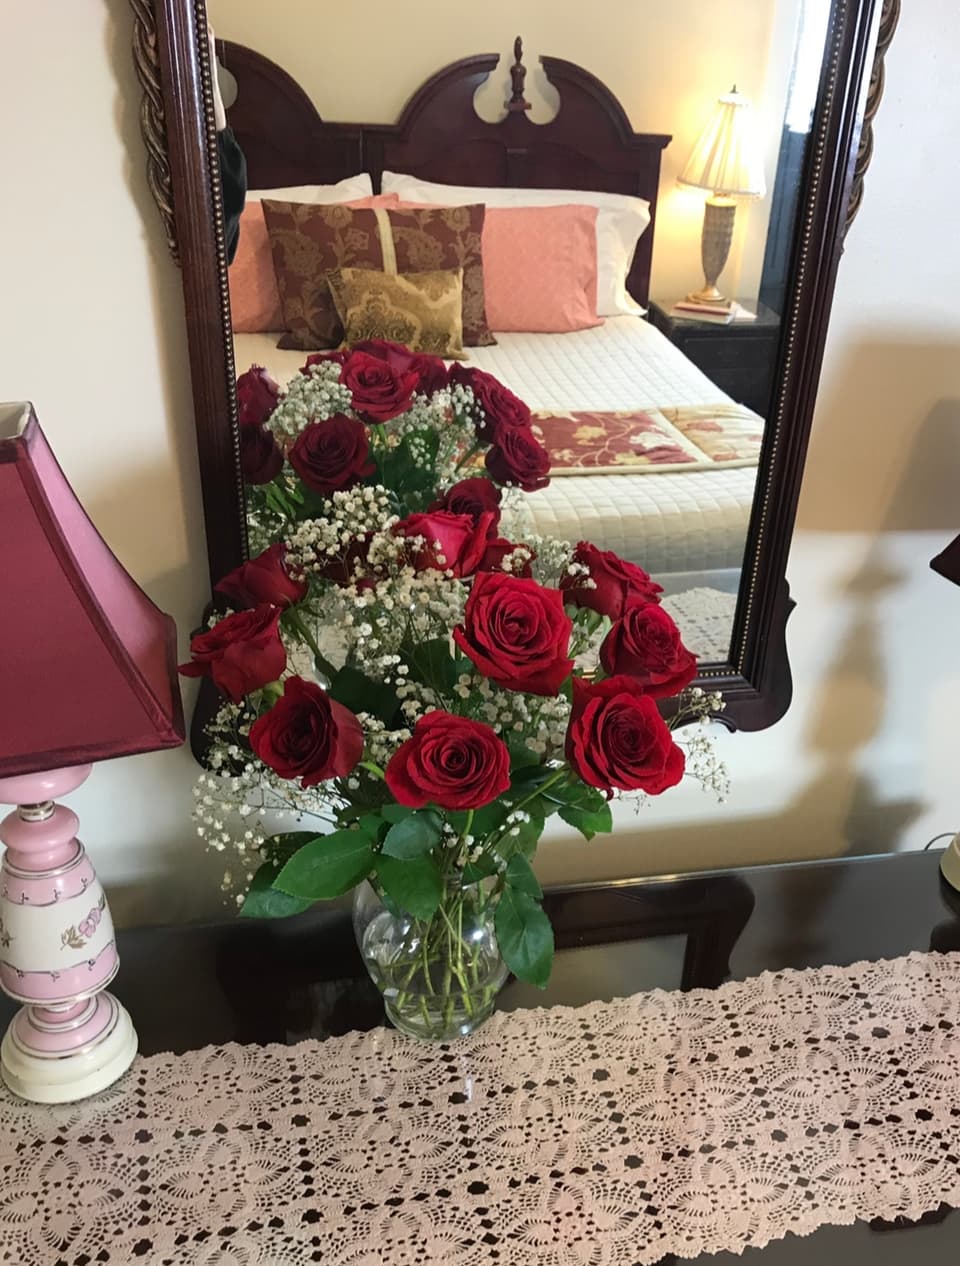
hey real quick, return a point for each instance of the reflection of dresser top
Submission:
(740, 357)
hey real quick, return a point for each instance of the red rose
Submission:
(308, 735)
(453, 542)
(645, 643)
(379, 393)
(497, 550)
(518, 457)
(348, 567)
(517, 633)
(257, 396)
(332, 454)
(324, 358)
(618, 739)
(260, 457)
(617, 584)
(262, 579)
(451, 762)
(497, 406)
(241, 653)
(473, 497)
(431, 372)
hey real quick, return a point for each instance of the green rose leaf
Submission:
(360, 693)
(589, 822)
(414, 885)
(482, 868)
(431, 663)
(525, 937)
(484, 820)
(577, 794)
(413, 473)
(414, 835)
(327, 866)
(528, 777)
(394, 813)
(264, 902)
(520, 877)
(527, 833)
(280, 848)
(521, 757)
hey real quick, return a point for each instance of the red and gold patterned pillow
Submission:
(308, 241)
(429, 238)
(254, 298)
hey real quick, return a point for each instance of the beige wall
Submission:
(666, 63)
(92, 330)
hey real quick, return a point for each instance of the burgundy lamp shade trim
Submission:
(947, 564)
(87, 661)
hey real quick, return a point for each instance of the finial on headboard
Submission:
(518, 73)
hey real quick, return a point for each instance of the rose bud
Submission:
(262, 579)
(241, 653)
(617, 584)
(645, 643)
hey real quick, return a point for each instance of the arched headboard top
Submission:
(588, 145)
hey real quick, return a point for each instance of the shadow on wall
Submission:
(880, 490)
(885, 460)
(885, 450)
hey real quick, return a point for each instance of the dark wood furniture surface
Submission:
(740, 357)
(172, 59)
(259, 982)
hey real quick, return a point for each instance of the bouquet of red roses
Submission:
(397, 664)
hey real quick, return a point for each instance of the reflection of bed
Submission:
(687, 521)
(694, 521)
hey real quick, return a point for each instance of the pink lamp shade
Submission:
(87, 661)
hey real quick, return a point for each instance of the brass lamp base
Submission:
(719, 214)
(708, 295)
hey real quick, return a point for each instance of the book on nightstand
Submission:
(712, 313)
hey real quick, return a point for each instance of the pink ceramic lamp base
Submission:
(57, 951)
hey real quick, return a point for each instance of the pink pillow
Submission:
(540, 268)
(254, 298)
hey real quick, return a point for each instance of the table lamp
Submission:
(947, 564)
(727, 160)
(87, 671)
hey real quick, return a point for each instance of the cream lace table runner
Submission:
(615, 1133)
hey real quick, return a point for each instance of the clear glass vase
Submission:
(440, 976)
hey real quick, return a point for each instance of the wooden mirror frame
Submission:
(171, 54)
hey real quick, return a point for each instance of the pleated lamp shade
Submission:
(87, 662)
(727, 158)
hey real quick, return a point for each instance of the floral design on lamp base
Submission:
(58, 952)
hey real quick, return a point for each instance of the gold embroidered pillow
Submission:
(423, 311)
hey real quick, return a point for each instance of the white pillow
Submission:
(620, 222)
(360, 186)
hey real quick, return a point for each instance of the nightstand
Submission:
(740, 357)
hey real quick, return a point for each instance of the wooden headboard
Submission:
(589, 144)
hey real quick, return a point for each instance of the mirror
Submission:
(684, 175)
